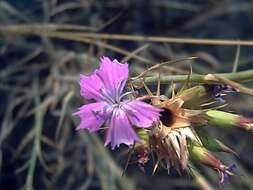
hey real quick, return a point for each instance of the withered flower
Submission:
(169, 136)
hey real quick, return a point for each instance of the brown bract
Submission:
(169, 136)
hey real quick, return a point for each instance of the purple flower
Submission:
(105, 86)
(217, 91)
(225, 172)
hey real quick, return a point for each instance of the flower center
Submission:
(107, 95)
(166, 117)
(125, 94)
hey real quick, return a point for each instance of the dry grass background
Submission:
(45, 44)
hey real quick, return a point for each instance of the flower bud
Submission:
(202, 94)
(141, 148)
(194, 97)
(214, 144)
(202, 155)
(229, 120)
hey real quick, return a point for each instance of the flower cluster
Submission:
(171, 128)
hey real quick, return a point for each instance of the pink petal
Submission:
(120, 130)
(141, 114)
(114, 76)
(91, 87)
(106, 83)
(92, 116)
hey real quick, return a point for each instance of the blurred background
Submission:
(43, 49)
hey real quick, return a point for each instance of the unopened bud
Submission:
(214, 144)
(229, 120)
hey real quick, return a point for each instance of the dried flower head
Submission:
(171, 139)
(170, 135)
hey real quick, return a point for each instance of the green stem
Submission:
(236, 76)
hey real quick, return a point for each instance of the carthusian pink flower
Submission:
(110, 107)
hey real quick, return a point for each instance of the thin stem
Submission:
(201, 180)
(164, 39)
(236, 76)
(36, 144)
(109, 173)
(43, 30)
